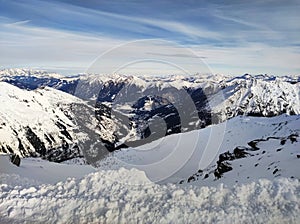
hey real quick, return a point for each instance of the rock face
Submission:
(15, 159)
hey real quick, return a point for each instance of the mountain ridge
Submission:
(124, 111)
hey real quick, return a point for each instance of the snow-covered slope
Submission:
(42, 123)
(259, 96)
(35, 171)
(239, 151)
(127, 196)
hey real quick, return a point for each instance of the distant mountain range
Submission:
(57, 117)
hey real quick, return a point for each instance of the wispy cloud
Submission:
(18, 23)
(180, 55)
(233, 37)
(26, 46)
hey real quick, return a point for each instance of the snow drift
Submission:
(127, 196)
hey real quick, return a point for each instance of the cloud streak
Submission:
(233, 37)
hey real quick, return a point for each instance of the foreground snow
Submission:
(127, 196)
(37, 171)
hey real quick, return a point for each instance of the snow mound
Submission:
(117, 197)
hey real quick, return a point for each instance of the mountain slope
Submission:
(260, 96)
(242, 149)
(41, 123)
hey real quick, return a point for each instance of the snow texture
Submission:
(127, 196)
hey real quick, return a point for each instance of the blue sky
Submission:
(235, 37)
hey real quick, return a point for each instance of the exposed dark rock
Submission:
(293, 138)
(64, 145)
(34, 140)
(15, 159)
(48, 139)
(253, 144)
(222, 167)
(63, 130)
(275, 171)
(240, 153)
(283, 141)
(191, 179)
(3, 149)
(67, 114)
(51, 137)
(21, 147)
(64, 153)
(9, 149)
(225, 156)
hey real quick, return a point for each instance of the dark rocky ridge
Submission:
(224, 162)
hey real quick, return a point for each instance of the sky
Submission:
(151, 37)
